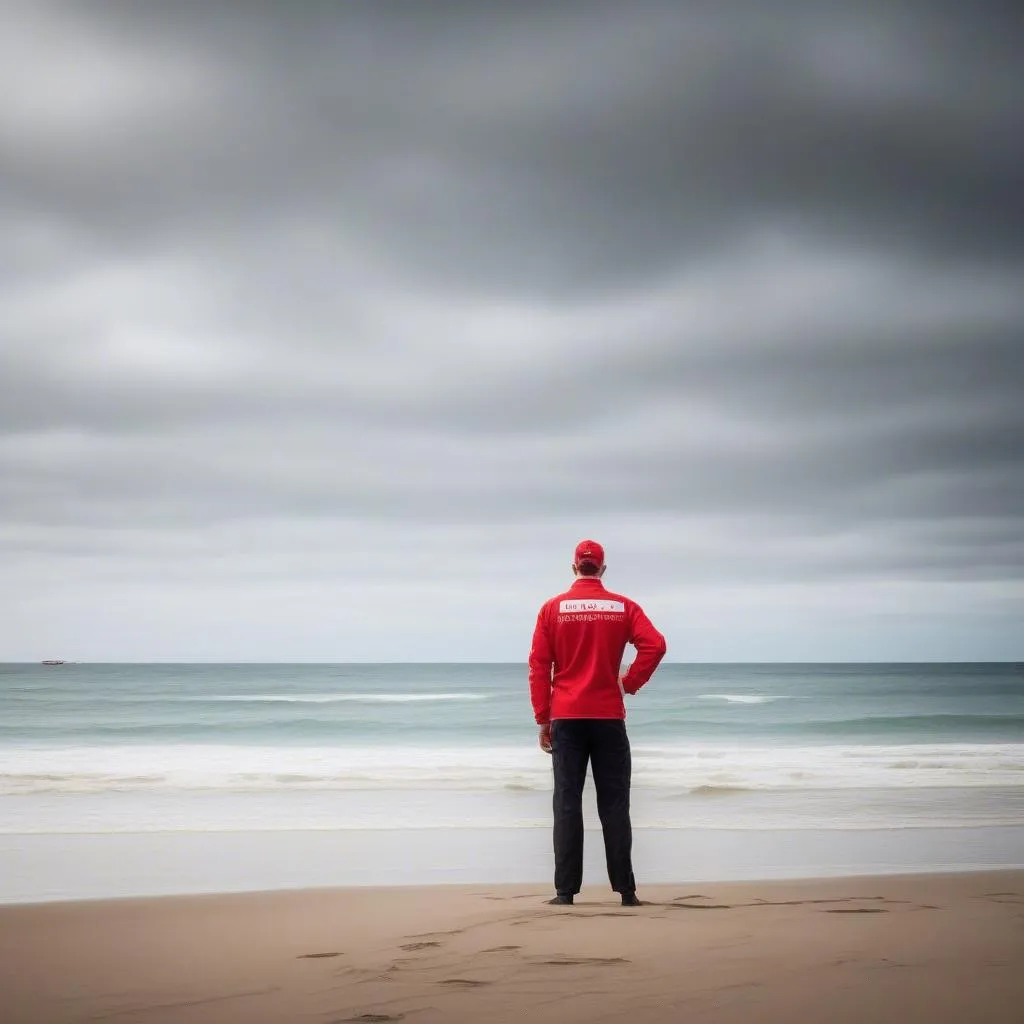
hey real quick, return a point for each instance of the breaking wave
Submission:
(745, 698)
(693, 769)
(333, 698)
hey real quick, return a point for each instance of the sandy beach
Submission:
(906, 948)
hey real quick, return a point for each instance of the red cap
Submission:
(589, 551)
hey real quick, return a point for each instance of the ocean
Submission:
(431, 753)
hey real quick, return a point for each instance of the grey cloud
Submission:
(573, 151)
(362, 273)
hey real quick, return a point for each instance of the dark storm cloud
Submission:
(546, 151)
(752, 271)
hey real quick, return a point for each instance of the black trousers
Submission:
(604, 744)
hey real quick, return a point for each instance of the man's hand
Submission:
(545, 738)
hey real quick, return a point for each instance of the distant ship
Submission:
(54, 661)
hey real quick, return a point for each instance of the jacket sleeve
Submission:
(542, 658)
(650, 649)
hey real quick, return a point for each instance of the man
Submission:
(577, 694)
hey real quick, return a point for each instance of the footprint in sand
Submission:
(315, 956)
(583, 961)
(370, 1018)
(700, 906)
(858, 910)
(411, 946)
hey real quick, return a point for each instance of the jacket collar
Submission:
(587, 583)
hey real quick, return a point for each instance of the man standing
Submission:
(577, 694)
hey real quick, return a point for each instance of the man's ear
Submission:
(575, 571)
(600, 572)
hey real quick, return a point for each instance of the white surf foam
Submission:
(335, 698)
(194, 767)
(745, 698)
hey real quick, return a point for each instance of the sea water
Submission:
(431, 753)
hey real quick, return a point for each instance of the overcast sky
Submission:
(327, 330)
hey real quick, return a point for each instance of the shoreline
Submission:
(937, 947)
(50, 868)
(591, 894)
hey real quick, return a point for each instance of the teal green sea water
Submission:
(122, 747)
(392, 705)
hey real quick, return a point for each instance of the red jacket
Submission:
(577, 653)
